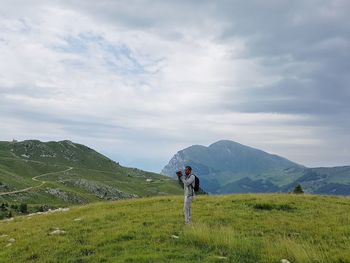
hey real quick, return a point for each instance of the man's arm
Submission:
(188, 181)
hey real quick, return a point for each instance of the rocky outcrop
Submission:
(65, 196)
(101, 190)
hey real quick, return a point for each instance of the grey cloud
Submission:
(281, 33)
(320, 97)
(83, 125)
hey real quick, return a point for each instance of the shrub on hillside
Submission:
(298, 189)
(9, 215)
(23, 208)
(4, 206)
(14, 206)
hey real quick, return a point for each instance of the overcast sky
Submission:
(140, 80)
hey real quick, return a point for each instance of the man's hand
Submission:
(179, 173)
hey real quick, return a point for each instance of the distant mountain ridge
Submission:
(230, 167)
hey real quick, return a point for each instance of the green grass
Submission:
(231, 228)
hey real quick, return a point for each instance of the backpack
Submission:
(196, 183)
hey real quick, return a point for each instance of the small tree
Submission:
(41, 209)
(23, 208)
(298, 189)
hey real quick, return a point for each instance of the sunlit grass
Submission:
(232, 228)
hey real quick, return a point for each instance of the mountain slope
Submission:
(244, 228)
(61, 173)
(230, 167)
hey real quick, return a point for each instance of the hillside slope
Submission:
(62, 173)
(230, 167)
(243, 228)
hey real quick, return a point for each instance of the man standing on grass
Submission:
(188, 180)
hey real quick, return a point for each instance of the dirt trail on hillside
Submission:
(35, 178)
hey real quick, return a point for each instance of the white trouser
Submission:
(187, 208)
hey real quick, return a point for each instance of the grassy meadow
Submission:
(230, 228)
